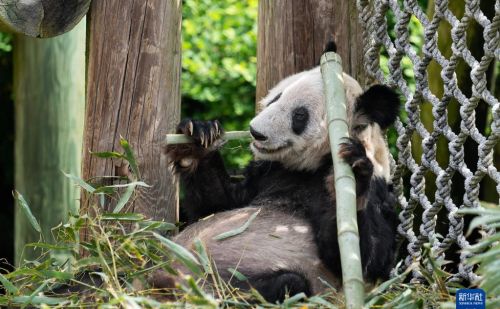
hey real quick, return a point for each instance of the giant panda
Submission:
(291, 245)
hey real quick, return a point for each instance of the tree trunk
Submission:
(134, 63)
(49, 91)
(41, 18)
(293, 34)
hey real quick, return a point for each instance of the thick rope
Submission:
(372, 16)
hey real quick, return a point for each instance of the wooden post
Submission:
(133, 75)
(293, 33)
(49, 91)
(41, 18)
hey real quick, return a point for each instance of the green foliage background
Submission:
(219, 66)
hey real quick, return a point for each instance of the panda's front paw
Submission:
(205, 135)
(353, 152)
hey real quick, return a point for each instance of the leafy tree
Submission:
(5, 43)
(219, 63)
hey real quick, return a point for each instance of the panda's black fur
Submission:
(293, 238)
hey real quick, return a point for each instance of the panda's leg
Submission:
(276, 286)
(208, 187)
(377, 230)
(376, 218)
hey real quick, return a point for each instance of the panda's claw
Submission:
(216, 125)
(190, 127)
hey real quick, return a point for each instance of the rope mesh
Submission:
(417, 231)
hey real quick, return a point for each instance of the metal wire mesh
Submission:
(419, 211)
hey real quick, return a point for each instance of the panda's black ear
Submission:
(380, 104)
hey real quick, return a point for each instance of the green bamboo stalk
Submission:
(345, 185)
(183, 139)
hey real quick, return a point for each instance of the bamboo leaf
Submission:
(294, 299)
(124, 199)
(27, 211)
(238, 230)
(157, 226)
(129, 156)
(181, 253)
(80, 182)
(122, 216)
(44, 245)
(8, 285)
(130, 184)
(237, 274)
(107, 154)
(321, 302)
(53, 274)
(203, 255)
(39, 300)
(86, 262)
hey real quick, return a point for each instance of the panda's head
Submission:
(291, 127)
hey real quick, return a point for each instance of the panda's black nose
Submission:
(257, 135)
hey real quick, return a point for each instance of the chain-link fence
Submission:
(432, 188)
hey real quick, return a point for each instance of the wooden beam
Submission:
(133, 90)
(41, 18)
(293, 33)
(49, 91)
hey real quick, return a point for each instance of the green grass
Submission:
(124, 251)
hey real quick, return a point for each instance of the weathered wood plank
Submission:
(49, 91)
(41, 18)
(133, 91)
(293, 33)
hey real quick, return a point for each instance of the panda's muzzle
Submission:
(268, 150)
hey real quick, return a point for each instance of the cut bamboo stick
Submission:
(184, 139)
(345, 185)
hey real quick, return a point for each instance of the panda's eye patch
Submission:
(300, 117)
(276, 98)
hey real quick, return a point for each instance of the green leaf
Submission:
(129, 156)
(294, 299)
(8, 285)
(107, 154)
(27, 211)
(157, 226)
(238, 230)
(181, 253)
(48, 246)
(237, 274)
(130, 184)
(39, 300)
(53, 274)
(124, 199)
(203, 255)
(80, 182)
(123, 216)
(86, 262)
